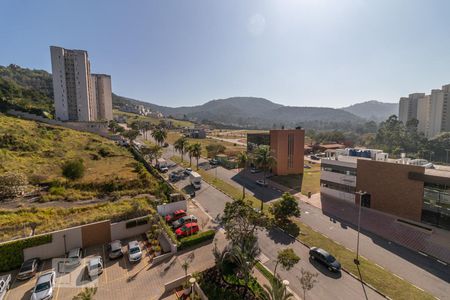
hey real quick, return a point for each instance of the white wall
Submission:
(56, 248)
(120, 231)
(349, 180)
(338, 194)
(169, 208)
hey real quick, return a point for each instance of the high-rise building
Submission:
(102, 93)
(445, 123)
(71, 80)
(408, 107)
(78, 95)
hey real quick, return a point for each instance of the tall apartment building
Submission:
(102, 93)
(408, 107)
(78, 96)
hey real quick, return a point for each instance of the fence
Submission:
(170, 208)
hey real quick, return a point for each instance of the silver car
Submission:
(74, 258)
(115, 249)
(44, 287)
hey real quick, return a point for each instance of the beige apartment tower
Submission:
(71, 79)
(102, 93)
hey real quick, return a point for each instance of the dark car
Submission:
(325, 258)
(28, 269)
(314, 157)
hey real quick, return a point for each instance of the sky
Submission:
(294, 52)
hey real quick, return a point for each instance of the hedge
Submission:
(138, 222)
(11, 253)
(196, 239)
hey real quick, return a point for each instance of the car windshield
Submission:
(94, 266)
(27, 266)
(330, 258)
(135, 250)
(42, 287)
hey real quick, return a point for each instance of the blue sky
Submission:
(295, 52)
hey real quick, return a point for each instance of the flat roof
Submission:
(438, 172)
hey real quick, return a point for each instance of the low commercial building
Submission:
(395, 187)
(286, 145)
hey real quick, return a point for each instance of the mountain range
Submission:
(252, 112)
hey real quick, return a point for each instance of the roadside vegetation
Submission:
(64, 164)
(17, 223)
(132, 117)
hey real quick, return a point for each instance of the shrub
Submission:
(12, 184)
(11, 253)
(168, 230)
(57, 191)
(139, 222)
(196, 239)
(104, 152)
(73, 169)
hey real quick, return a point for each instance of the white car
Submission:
(44, 287)
(134, 251)
(74, 258)
(95, 266)
(115, 249)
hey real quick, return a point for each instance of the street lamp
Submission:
(192, 281)
(361, 194)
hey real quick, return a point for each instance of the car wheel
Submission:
(312, 257)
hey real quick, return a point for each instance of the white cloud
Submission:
(256, 24)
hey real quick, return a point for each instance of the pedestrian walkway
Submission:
(436, 244)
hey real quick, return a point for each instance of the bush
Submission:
(139, 222)
(105, 152)
(11, 253)
(12, 184)
(168, 230)
(73, 169)
(57, 191)
(196, 239)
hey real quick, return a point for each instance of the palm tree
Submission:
(180, 145)
(86, 294)
(196, 151)
(185, 266)
(146, 126)
(190, 153)
(159, 135)
(265, 161)
(242, 162)
(131, 135)
(277, 290)
(152, 152)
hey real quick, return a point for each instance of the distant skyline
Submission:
(294, 52)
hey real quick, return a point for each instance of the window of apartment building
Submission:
(290, 151)
(436, 205)
(339, 170)
(337, 186)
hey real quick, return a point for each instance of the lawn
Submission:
(39, 150)
(131, 117)
(381, 279)
(15, 223)
(309, 182)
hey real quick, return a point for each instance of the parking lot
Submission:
(71, 282)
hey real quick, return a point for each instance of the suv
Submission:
(325, 258)
(186, 219)
(95, 266)
(134, 251)
(44, 286)
(28, 269)
(74, 258)
(115, 249)
(175, 216)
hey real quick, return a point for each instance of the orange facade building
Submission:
(287, 146)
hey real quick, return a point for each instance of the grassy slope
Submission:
(49, 147)
(134, 117)
(48, 219)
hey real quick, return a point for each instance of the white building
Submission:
(79, 96)
(408, 107)
(101, 92)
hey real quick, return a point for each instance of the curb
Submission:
(343, 269)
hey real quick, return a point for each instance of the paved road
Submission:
(330, 286)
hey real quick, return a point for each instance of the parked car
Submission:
(74, 258)
(325, 258)
(261, 182)
(187, 229)
(5, 284)
(95, 266)
(28, 269)
(165, 145)
(181, 221)
(175, 216)
(254, 170)
(314, 157)
(115, 249)
(187, 171)
(44, 287)
(174, 177)
(307, 166)
(134, 251)
(163, 169)
(213, 161)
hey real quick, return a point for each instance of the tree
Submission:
(245, 259)
(131, 135)
(240, 222)
(287, 259)
(181, 145)
(242, 163)
(86, 294)
(196, 150)
(285, 208)
(190, 153)
(307, 281)
(160, 135)
(185, 266)
(152, 152)
(214, 149)
(264, 160)
(73, 169)
(12, 184)
(277, 290)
